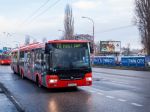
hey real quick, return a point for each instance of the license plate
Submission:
(72, 84)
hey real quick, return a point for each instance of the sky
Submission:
(114, 20)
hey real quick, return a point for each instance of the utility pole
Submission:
(93, 28)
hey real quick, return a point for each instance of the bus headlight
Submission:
(53, 81)
(88, 78)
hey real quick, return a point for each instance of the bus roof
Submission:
(40, 45)
(29, 47)
(68, 41)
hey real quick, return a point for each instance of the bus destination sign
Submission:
(70, 45)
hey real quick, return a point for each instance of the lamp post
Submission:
(93, 25)
(93, 30)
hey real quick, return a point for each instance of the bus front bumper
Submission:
(52, 81)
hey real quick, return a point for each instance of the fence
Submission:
(101, 60)
(133, 61)
(127, 61)
(147, 60)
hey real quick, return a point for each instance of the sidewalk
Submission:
(5, 104)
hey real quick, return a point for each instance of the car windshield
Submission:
(71, 58)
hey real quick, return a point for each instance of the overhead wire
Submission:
(51, 6)
(36, 11)
(113, 29)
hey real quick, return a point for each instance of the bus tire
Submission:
(22, 75)
(38, 82)
(14, 71)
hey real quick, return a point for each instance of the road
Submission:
(112, 91)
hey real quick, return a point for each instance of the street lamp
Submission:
(93, 25)
(63, 32)
(93, 30)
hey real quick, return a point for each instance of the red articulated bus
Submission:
(55, 64)
(5, 58)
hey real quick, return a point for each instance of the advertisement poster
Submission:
(110, 46)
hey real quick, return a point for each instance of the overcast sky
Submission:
(18, 18)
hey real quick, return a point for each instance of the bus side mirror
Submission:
(91, 48)
(47, 50)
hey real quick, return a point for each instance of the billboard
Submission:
(110, 46)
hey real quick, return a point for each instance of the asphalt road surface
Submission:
(112, 91)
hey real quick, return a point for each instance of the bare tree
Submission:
(142, 10)
(68, 23)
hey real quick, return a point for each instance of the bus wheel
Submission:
(38, 82)
(22, 75)
(14, 71)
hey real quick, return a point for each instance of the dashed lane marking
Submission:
(111, 97)
(119, 82)
(122, 100)
(92, 91)
(136, 104)
(97, 90)
(100, 93)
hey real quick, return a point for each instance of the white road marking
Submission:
(97, 90)
(92, 91)
(15, 101)
(122, 100)
(111, 97)
(136, 104)
(100, 93)
(119, 82)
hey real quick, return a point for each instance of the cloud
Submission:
(84, 4)
(42, 27)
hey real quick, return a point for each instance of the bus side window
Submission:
(15, 57)
(28, 57)
(31, 57)
(21, 56)
(37, 57)
(11, 57)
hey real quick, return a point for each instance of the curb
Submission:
(11, 98)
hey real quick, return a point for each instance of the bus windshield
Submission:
(70, 56)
